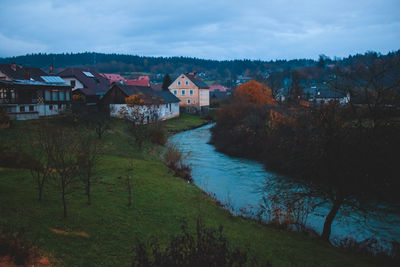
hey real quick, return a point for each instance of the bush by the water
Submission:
(174, 159)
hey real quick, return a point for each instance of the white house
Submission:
(160, 105)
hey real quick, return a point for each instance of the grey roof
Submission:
(97, 85)
(166, 96)
(197, 81)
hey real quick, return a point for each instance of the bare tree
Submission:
(61, 149)
(128, 183)
(39, 147)
(89, 153)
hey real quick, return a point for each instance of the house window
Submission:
(186, 82)
(47, 95)
(175, 92)
(179, 83)
(183, 92)
(194, 101)
(67, 96)
(51, 107)
(73, 83)
(55, 96)
(191, 92)
(22, 109)
(31, 108)
(169, 107)
(3, 94)
(188, 101)
(61, 95)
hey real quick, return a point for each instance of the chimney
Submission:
(13, 66)
(51, 69)
(27, 75)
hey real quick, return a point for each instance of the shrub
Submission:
(4, 119)
(208, 247)
(157, 133)
(175, 161)
(19, 253)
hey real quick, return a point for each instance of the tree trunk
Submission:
(40, 186)
(329, 219)
(64, 202)
(89, 202)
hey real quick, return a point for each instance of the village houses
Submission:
(29, 93)
(86, 84)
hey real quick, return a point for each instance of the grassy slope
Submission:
(160, 201)
(184, 122)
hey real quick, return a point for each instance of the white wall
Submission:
(68, 80)
(164, 110)
(44, 109)
(39, 110)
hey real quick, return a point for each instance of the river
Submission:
(236, 181)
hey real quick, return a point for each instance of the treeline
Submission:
(341, 155)
(117, 63)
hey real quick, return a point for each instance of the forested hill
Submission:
(213, 70)
(116, 63)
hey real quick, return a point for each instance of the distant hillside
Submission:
(212, 70)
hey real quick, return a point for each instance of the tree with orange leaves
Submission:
(141, 109)
(255, 93)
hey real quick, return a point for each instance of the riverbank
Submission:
(105, 233)
(184, 122)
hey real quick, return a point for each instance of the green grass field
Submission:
(105, 233)
(184, 122)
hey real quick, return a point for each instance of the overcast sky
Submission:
(268, 29)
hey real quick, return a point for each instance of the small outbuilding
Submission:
(164, 103)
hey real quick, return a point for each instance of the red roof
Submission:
(113, 77)
(219, 87)
(141, 81)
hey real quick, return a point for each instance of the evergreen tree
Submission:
(166, 82)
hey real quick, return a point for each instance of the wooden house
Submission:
(29, 93)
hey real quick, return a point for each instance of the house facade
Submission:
(192, 92)
(30, 93)
(163, 104)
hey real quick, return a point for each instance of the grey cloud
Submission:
(207, 29)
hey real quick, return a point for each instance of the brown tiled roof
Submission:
(196, 80)
(22, 73)
(96, 85)
(129, 90)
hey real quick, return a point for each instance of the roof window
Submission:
(88, 74)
